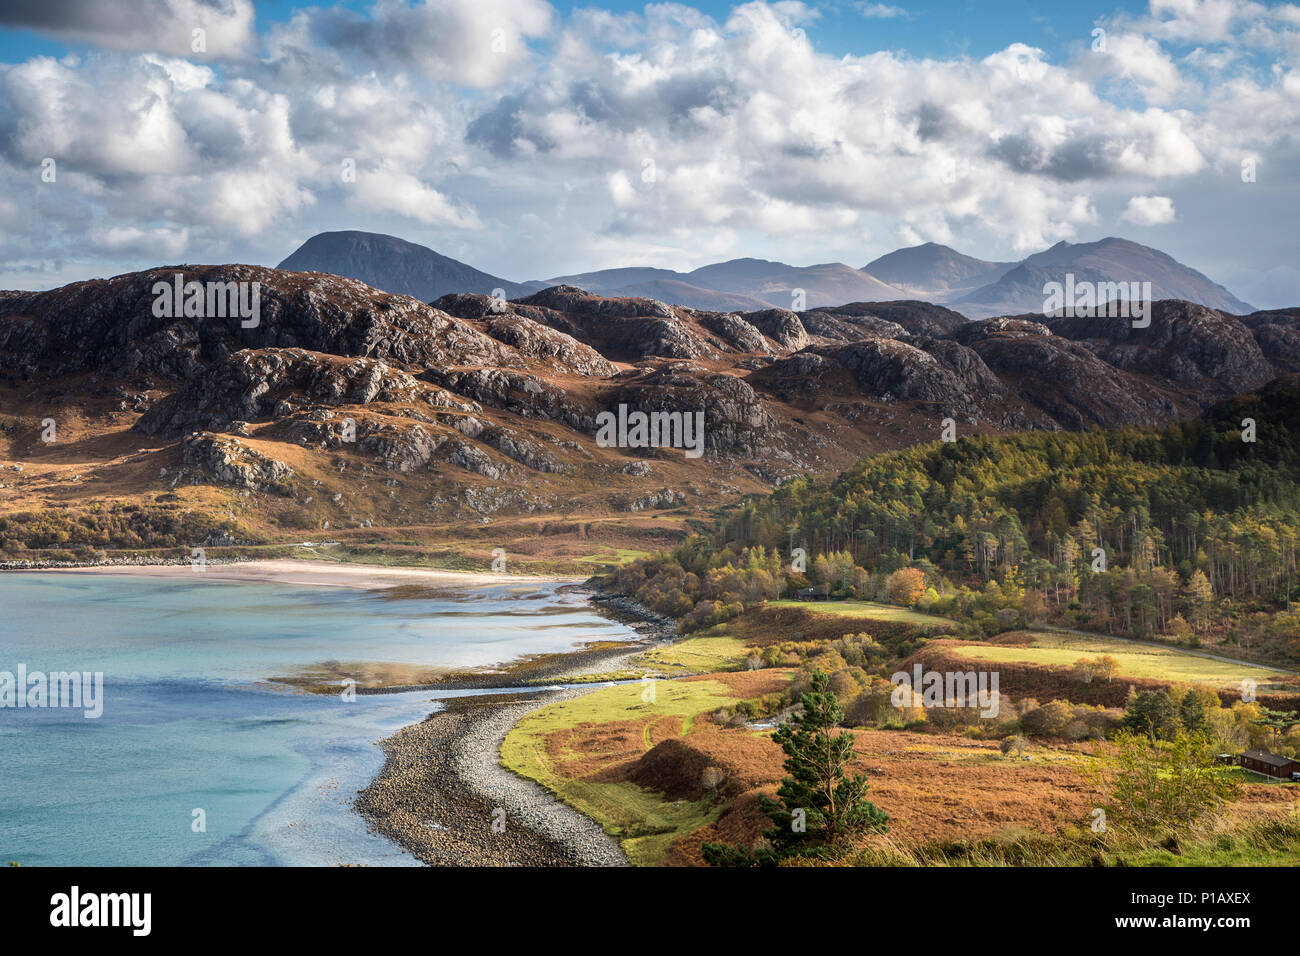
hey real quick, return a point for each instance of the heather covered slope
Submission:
(343, 406)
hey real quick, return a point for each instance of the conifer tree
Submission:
(820, 804)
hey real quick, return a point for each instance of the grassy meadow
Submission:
(1058, 649)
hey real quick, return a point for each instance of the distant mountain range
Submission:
(930, 272)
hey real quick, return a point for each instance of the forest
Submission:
(1186, 532)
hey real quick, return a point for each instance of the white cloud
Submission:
(474, 43)
(391, 190)
(200, 28)
(166, 244)
(1199, 21)
(880, 11)
(758, 139)
(1141, 61)
(1149, 211)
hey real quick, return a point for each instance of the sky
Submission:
(533, 139)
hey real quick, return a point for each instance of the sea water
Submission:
(192, 731)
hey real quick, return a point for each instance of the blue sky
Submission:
(534, 139)
(939, 28)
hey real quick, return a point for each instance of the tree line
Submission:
(1186, 531)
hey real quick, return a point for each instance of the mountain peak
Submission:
(1112, 259)
(394, 265)
(933, 268)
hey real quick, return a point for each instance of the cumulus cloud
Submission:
(392, 190)
(199, 28)
(666, 133)
(750, 128)
(1149, 211)
(150, 140)
(476, 44)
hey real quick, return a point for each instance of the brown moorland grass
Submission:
(749, 684)
(764, 625)
(934, 787)
(938, 788)
(600, 750)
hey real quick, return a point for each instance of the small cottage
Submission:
(1270, 765)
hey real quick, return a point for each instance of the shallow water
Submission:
(188, 722)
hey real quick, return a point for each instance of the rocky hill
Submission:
(393, 265)
(344, 406)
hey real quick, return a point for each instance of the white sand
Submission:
(322, 574)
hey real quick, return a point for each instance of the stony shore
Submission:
(443, 797)
(443, 788)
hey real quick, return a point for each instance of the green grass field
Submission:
(866, 609)
(696, 655)
(613, 557)
(642, 820)
(1135, 660)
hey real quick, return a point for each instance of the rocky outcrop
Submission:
(735, 418)
(665, 498)
(520, 393)
(400, 447)
(889, 371)
(1065, 379)
(523, 450)
(973, 332)
(255, 384)
(1281, 343)
(544, 344)
(735, 332)
(623, 329)
(109, 324)
(536, 340)
(781, 326)
(828, 326)
(229, 461)
(1186, 345)
(474, 459)
(569, 299)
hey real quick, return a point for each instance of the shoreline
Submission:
(308, 572)
(442, 788)
(442, 779)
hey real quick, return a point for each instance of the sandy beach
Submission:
(317, 574)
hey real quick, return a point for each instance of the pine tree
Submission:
(1192, 712)
(820, 805)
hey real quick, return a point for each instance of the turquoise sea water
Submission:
(189, 722)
